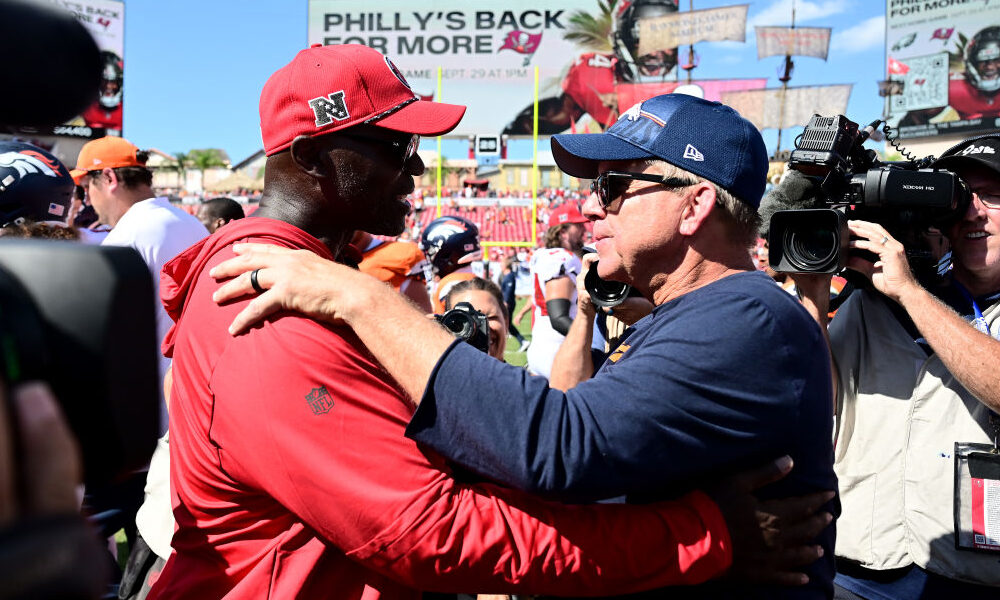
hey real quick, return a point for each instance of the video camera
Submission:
(467, 324)
(81, 319)
(844, 180)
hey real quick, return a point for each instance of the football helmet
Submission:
(34, 185)
(112, 75)
(631, 66)
(450, 242)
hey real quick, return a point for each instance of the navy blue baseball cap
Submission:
(706, 138)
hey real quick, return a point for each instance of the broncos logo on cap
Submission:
(27, 162)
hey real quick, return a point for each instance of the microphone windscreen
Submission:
(794, 192)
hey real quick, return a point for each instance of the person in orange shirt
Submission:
(400, 264)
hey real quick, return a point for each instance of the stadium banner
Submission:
(780, 108)
(487, 51)
(709, 89)
(793, 41)
(691, 27)
(105, 20)
(945, 55)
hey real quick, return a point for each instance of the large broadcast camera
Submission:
(467, 324)
(834, 178)
(81, 319)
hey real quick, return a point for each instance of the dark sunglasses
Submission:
(611, 185)
(403, 148)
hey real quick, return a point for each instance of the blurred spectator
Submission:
(401, 264)
(217, 212)
(508, 285)
(554, 270)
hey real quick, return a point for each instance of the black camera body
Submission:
(603, 292)
(467, 324)
(81, 318)
(849, 182)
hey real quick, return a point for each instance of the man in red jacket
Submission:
(291, 476)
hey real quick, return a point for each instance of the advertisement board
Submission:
(488, 52)
(943, 62)
(105, 20)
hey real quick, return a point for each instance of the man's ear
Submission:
(308, 154)
(110, 178)
(698, 204)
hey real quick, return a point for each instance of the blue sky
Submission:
(194, 70)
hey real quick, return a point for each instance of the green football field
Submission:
(512, 356)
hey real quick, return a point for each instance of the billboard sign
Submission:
(105, 20)
(945, 58)
(487, 53)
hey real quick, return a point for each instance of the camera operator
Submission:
(897, 424)
(484, 296)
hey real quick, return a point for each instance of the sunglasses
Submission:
(403, 148)
(611, 185)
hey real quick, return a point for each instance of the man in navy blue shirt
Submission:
(508, 285)
(728, 371)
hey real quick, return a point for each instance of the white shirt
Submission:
(159, 231)
(548, 264)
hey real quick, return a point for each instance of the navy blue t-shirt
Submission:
(728, 376)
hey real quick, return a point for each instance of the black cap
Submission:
(979, 151)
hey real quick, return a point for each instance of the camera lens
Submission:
(459, 324)
(810, 249)
(604, 293)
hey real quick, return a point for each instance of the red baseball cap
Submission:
(105, 153)
(566, 213)
(329, 88)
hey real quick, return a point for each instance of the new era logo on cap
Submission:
(56, 209)
(692, 153)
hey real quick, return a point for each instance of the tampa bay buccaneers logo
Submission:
(28, 162)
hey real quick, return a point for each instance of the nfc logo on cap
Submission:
(329, 108)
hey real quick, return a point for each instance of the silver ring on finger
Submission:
(254, 283)
(885, 239)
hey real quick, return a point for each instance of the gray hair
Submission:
(740, 217)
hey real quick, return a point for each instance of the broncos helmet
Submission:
(112, 75)
(631, 66)
(984, 47)
(34, 185)
(450, 242)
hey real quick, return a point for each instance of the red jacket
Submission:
(291, 476)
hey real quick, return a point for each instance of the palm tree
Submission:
(593, 32)
(206, 159)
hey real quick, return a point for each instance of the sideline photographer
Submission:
(487, 311)
(898, 426)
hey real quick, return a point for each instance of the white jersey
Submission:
(548, 264)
